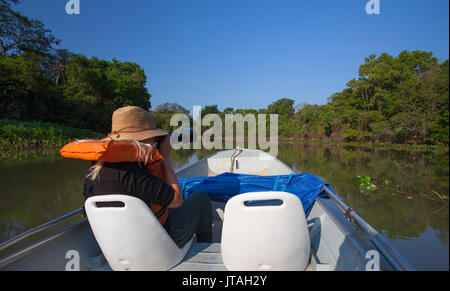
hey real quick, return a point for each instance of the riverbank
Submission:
(17, 136)
(438, 149)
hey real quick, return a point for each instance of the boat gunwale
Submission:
(393, 256)
(14, 240)
(9, 258)
(341, 227)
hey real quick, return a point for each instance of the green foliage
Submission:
(398, 100)
(283, 107)
(228, 110)
(95, 88)
(18, 135)
(164, 113)
(171, 108)
(25, 92)
(83, 93)
(350, 134)
(20, 34)
(39, 82)
(210, 109)
(365, 184)
(439, 130)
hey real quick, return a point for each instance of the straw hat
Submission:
(133, 123)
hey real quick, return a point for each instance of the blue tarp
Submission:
(305, 186)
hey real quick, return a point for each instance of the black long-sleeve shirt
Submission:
(130, 179)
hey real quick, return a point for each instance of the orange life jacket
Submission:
(113, 151)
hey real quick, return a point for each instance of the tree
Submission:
(25, 92)
(20, 34)
(171, 108)
(6, 1)
(164, 113)
(401, 99)
(94, 88)
(57, 63)
(41, 83)
(210, 109)
(283, 107)
(228, 110)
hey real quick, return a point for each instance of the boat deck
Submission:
(202, 257)
(207, 257)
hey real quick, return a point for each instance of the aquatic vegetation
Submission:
(433, 196)
(365, 184)
(411, 172)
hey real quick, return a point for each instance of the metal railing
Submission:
(37, 229)
(389, 252)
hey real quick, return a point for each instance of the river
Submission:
(405, 206)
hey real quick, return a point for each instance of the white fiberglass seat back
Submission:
(130, 236)
(265, 237)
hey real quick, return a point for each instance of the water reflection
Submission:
(37, 188)
(413, 173)
(409, 220)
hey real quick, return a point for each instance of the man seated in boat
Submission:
(129, 164)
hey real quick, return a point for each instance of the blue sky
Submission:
(245, 53)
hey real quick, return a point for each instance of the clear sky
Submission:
(245, 53)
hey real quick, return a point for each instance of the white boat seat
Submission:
(130, 236)
(265, 237)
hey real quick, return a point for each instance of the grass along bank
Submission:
(21, 135)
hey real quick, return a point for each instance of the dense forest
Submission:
(402, 99)
(39, 82)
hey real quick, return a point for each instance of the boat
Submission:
(339, 238)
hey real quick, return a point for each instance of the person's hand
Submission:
(164, 147)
